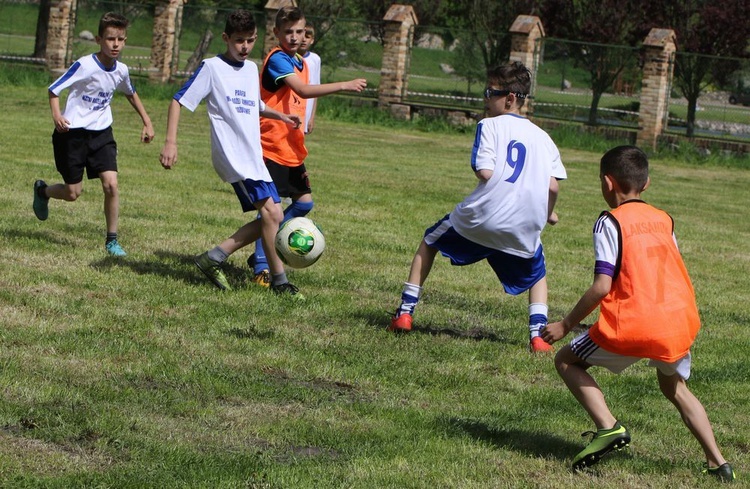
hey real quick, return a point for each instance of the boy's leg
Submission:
(420, 269)
(111, 211)
(301, 206)
(538, 316)
(693, 415)
(271, 217)
(610, 435)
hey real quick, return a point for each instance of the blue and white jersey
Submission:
(91, 89)
(232, 94)
(509, 211)
(312, 61)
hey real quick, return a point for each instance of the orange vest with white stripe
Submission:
(650, 311)
(282, 143)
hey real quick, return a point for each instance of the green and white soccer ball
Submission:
(300, 242)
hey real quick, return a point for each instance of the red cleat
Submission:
(538, 345)
(401, 324)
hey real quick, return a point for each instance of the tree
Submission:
(42, 21)
(704, 31)
(596, 25)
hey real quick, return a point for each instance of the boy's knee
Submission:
(110, 188)
(71, 194)
(564, 359)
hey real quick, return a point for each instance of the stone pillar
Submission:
(525, 41)
(658, 49)
(400, 21)
(62, 21)
(272, 8)
(164, 46)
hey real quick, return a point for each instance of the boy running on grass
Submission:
(647, 309)
(83, 138)
(285, 86)
(230, 85)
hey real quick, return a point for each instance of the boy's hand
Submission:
(147, 134)
(355, 85)
(553, 219)
(553, 332)
(168, 156)
(292, 120)
(61, 124)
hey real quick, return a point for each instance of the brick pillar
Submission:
(164, 46)
(525, 38)
(400, 21)
(62, 21)
(272, 8)
(658, 49)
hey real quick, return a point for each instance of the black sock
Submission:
(111, 237)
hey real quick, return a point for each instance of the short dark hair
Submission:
(112, 19)
(513, 76)
(288, 14)
(240, 21)
(628, 166)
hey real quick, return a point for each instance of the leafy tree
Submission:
(704, 29)
(42, 21)
(596, 25)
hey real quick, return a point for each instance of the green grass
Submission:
(138, 373)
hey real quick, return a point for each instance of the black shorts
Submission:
(79, 149)
(289, 180)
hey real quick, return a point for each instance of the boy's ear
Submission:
(609, 182)
(224, 37)
(648, 182)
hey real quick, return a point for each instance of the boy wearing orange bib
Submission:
(647, 310)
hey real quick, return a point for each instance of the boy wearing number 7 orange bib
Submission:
(518, 167)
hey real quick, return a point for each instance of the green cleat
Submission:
(41, 209)
(603, 442)
(723, 472)
(114, 249)
(287, 289)
(212, 270)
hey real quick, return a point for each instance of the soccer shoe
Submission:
(401, 323)
(114, 249)
(263, 278)
(212, 270)
(41, 210)
(603, 442)
(723, 472)
(287, 289)
(538, 345)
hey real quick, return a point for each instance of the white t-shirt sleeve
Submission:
(196, 88)
(606, 246)
(483, 152)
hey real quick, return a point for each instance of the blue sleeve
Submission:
(279, 66)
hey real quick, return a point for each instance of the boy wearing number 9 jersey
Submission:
(518, 167)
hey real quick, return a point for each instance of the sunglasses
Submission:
(491, 92)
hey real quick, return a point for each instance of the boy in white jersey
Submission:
(312, 61)
(518, 167)
(83, 133)
(231, 86)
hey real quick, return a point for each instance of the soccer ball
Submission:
(299, 242)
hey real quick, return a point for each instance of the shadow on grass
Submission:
(381, 320)
(175, 266)
(529, 442)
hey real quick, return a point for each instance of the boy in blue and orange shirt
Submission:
(647, 310)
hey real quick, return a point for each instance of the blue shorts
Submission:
(251, 191)
(515, 273)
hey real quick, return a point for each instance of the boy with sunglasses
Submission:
(518, 167)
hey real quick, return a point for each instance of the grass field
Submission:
(138, 373)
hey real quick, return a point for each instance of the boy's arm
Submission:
(61, 123)
(313, 91)
(147, 134)
(586, 304)
(554, 189)
(291, 119)
(168, 156)
(311, 122)
(484, 175)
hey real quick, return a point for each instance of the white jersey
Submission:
(91, 89)
(312, 61)
(232, 93)
(509, 211)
